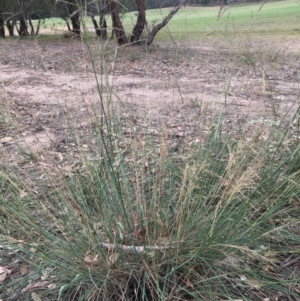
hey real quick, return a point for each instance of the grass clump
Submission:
(136, 223)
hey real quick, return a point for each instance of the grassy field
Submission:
(280, 17)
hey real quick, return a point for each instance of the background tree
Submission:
(24, 15)
(103, 25)
(140, 23)
(166, 20)
(74, 9)
(8, 9)
(19, 14)
(99, 7)
(2, 30)
(116, 22)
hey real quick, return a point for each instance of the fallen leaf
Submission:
(243, 278)
(88, 259)
(91, 258)
(165, 241)
(15, 262)
(268, 267)
(112, 259)
(52, 286)
(253, 283)
(22, 194)
(294, 202)
(61, 157)
(35, 297)
(3, 274)
(41, 284)
(5, 139)
(151, 254)
(23, 270)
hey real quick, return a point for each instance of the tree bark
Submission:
(67, 23)
(103, 25)
(2, 30)
(75, 18)
(101, 31)
(23, 27)
(97, 29)
(118, 28)
(140, 23)
(32, 33)
(165, 21)
(76, 24)
(38, 27)
(10, 26)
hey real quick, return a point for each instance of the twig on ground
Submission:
(133, 249)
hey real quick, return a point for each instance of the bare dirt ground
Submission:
(173, 87)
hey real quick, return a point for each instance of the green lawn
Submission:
(281, 17)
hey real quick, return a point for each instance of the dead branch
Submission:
(165, 21)
(133, 249)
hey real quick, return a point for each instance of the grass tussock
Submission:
(136, 223)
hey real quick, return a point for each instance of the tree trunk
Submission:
(68, 25)
(164, 22)
(23, 27)
(31, 27)
(2, 30)
(97, 29)
(38, 27)
(32, 31)
(18, 30)
(118, 28)
(76, 23)
(75, 18)
(140, 23)
(103, 25)
(67, 22)
(102, 21)
(10, 26)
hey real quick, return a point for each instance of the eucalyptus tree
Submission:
(2, 20)
(18, 14)
(98, 7)
(28, 8)
(2, 30)
(8, 9)
(141, 22)
(74, 10)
